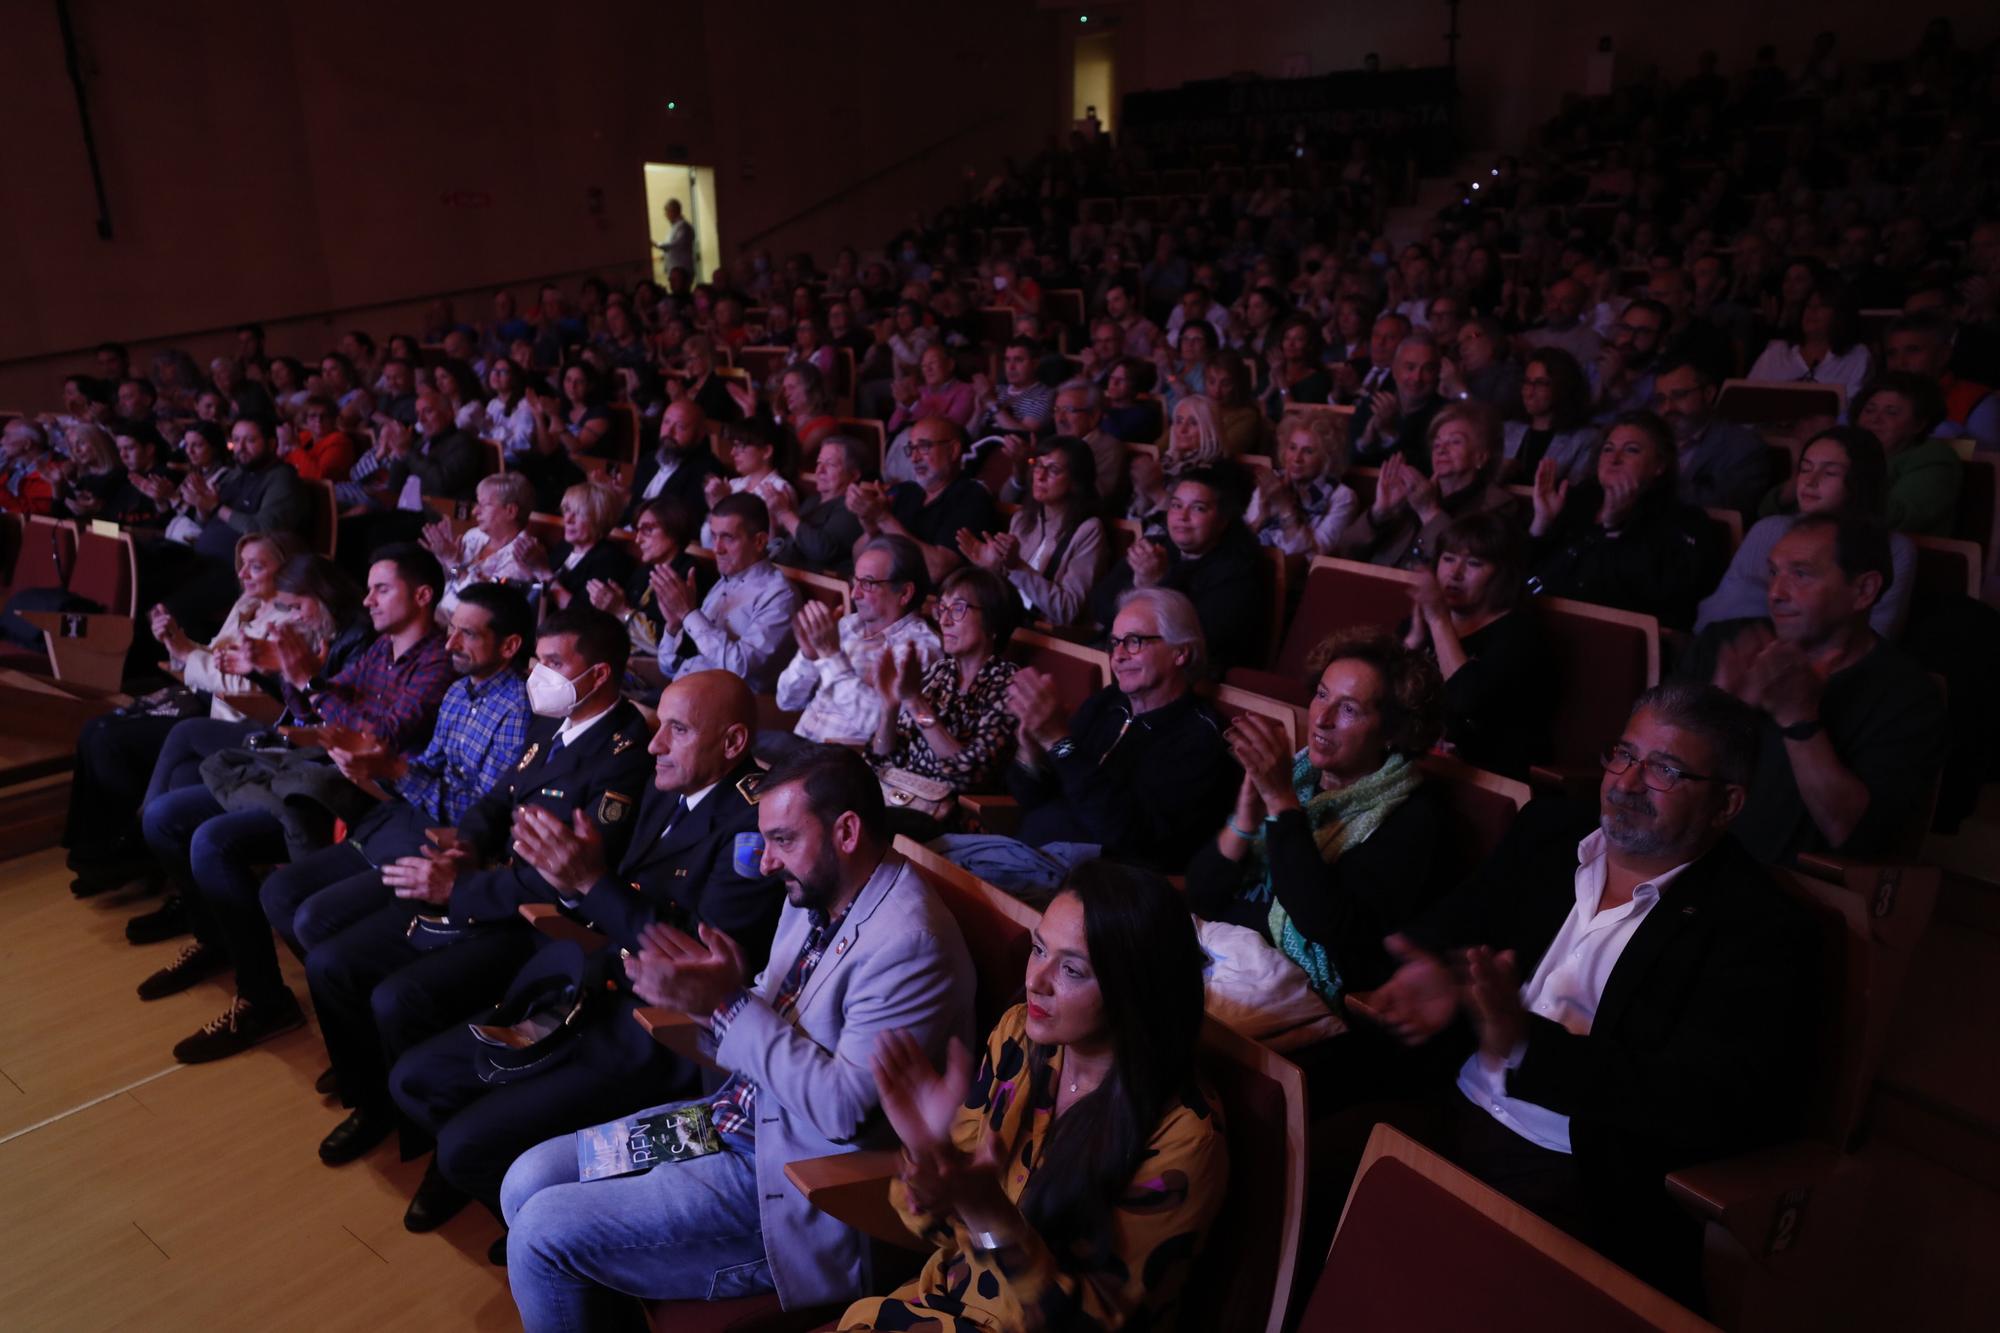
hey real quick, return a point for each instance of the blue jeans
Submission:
(577, 1253)
(191, 741)
(1031, 873)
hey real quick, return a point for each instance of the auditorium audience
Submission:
(1138, 772)
(831, 682)
(1122, 1165)
(1635, 936)
(1852, 729)
(1840, 471)
(1623, 538)
(1501, 685)
(1553, 420)
(799, 1083)
(1203, 550)
(1396, 417)
(1333, 847)
(662, 535)
(1302, 507)
(935, 507)
(497, 548)
(1054, 549)
(1828, 348)
(586, 553)
(1721, 465)
(1412, 506)
(743, 623)
(821, 535)
(1903, 411)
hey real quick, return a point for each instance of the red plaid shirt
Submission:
(394, 699)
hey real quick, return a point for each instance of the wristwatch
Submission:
(1801, 731)
(986, 1242)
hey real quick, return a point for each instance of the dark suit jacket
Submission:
(447, 465)
(1703, 1041)
(696, 466)
(606, 560)
(603, 774)
(703, 871)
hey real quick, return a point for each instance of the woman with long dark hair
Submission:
(1054, 548)
(1070, 1183)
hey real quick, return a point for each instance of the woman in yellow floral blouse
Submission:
(1071, 1183)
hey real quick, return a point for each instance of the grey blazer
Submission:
(899, 962)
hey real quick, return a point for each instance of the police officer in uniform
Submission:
(446, 947)
(693, 864)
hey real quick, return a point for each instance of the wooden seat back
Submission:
(106, 569)
(1946, 567)
(995, 925)
(1479, 808)
(325, 518)
(995, 325)
(47, 554)
(1604, 659)
(830, 592)
(763, 362)
(1078, 671)
(1509, 1272)
(1762, 402)
(1243, 1279)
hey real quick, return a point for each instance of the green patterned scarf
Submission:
(1340, 819)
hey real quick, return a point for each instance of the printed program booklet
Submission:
(640, 1143)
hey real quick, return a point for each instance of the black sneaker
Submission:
(196, 962)
(164, 922)
(328, 1083)
(238, 1028)
(94, 879)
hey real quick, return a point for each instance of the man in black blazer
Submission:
(693, 864)
(684, 456)
(445, 948)
(1640, 991)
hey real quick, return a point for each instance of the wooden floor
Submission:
(140, 1194)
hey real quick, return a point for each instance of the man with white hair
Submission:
(1139, 772)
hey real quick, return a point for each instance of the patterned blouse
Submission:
(1158, 1225)
(978, 717)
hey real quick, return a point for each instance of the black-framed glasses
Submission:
(1132, 643)
(862, 583)
(950, 613)
(1618, 758)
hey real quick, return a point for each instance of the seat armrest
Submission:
(996, 814)
(1822, 865)
(854, 1188)
(1759, 1197)
(679, 1033)
(550, 921)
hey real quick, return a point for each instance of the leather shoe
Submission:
(437, 1201)
(496, 1253)
(164, 922)
(327, 1084)
(355, 1136)
(196, 962)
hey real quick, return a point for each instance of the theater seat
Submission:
(1781, 1223)
(1423, 1247)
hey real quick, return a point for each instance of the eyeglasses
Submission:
(918, 445)
(1619, 758)
(647, 527)
(1636, 329)
(950, 613)
(1047, 467)
(862, 583)
(1132, 643)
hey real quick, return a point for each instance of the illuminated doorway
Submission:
(694, 189)
(1094, 80)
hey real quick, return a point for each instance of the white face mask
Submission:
(552, 694)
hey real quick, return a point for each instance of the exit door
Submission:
(693, 188)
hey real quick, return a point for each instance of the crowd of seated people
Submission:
(578, 653)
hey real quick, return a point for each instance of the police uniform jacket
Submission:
(702, 869)
(603, 774)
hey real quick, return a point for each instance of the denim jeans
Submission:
(581, 1255)
(1030, 873)
(191, 741)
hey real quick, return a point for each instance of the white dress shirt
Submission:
(837, 693)
(1566, 988)
(744, 625)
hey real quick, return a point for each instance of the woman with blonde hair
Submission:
(1301, 506)
(497, 548)
(1194, 440)
(1411, 511)
(589, 511)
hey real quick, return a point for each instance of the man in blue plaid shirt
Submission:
(481, 728)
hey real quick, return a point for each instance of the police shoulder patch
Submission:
(748, 854)
(613, 807)
(746, 786)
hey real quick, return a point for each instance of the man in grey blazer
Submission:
(863, 947)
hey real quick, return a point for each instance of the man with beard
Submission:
(933, 509)
(681, 466)
(1639, 991)
(863, 947)
(1621, 374)
(1722, 465)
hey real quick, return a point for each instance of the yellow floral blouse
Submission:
(1159, 1223)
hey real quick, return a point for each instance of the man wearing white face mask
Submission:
(453, 937)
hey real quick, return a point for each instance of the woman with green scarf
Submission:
(1332, 849)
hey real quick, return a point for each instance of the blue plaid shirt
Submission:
(481, 728)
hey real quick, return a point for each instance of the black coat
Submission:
(1664, 558)
(686, 484)
(1703, 1041)
(705, 870)
(603, 774)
